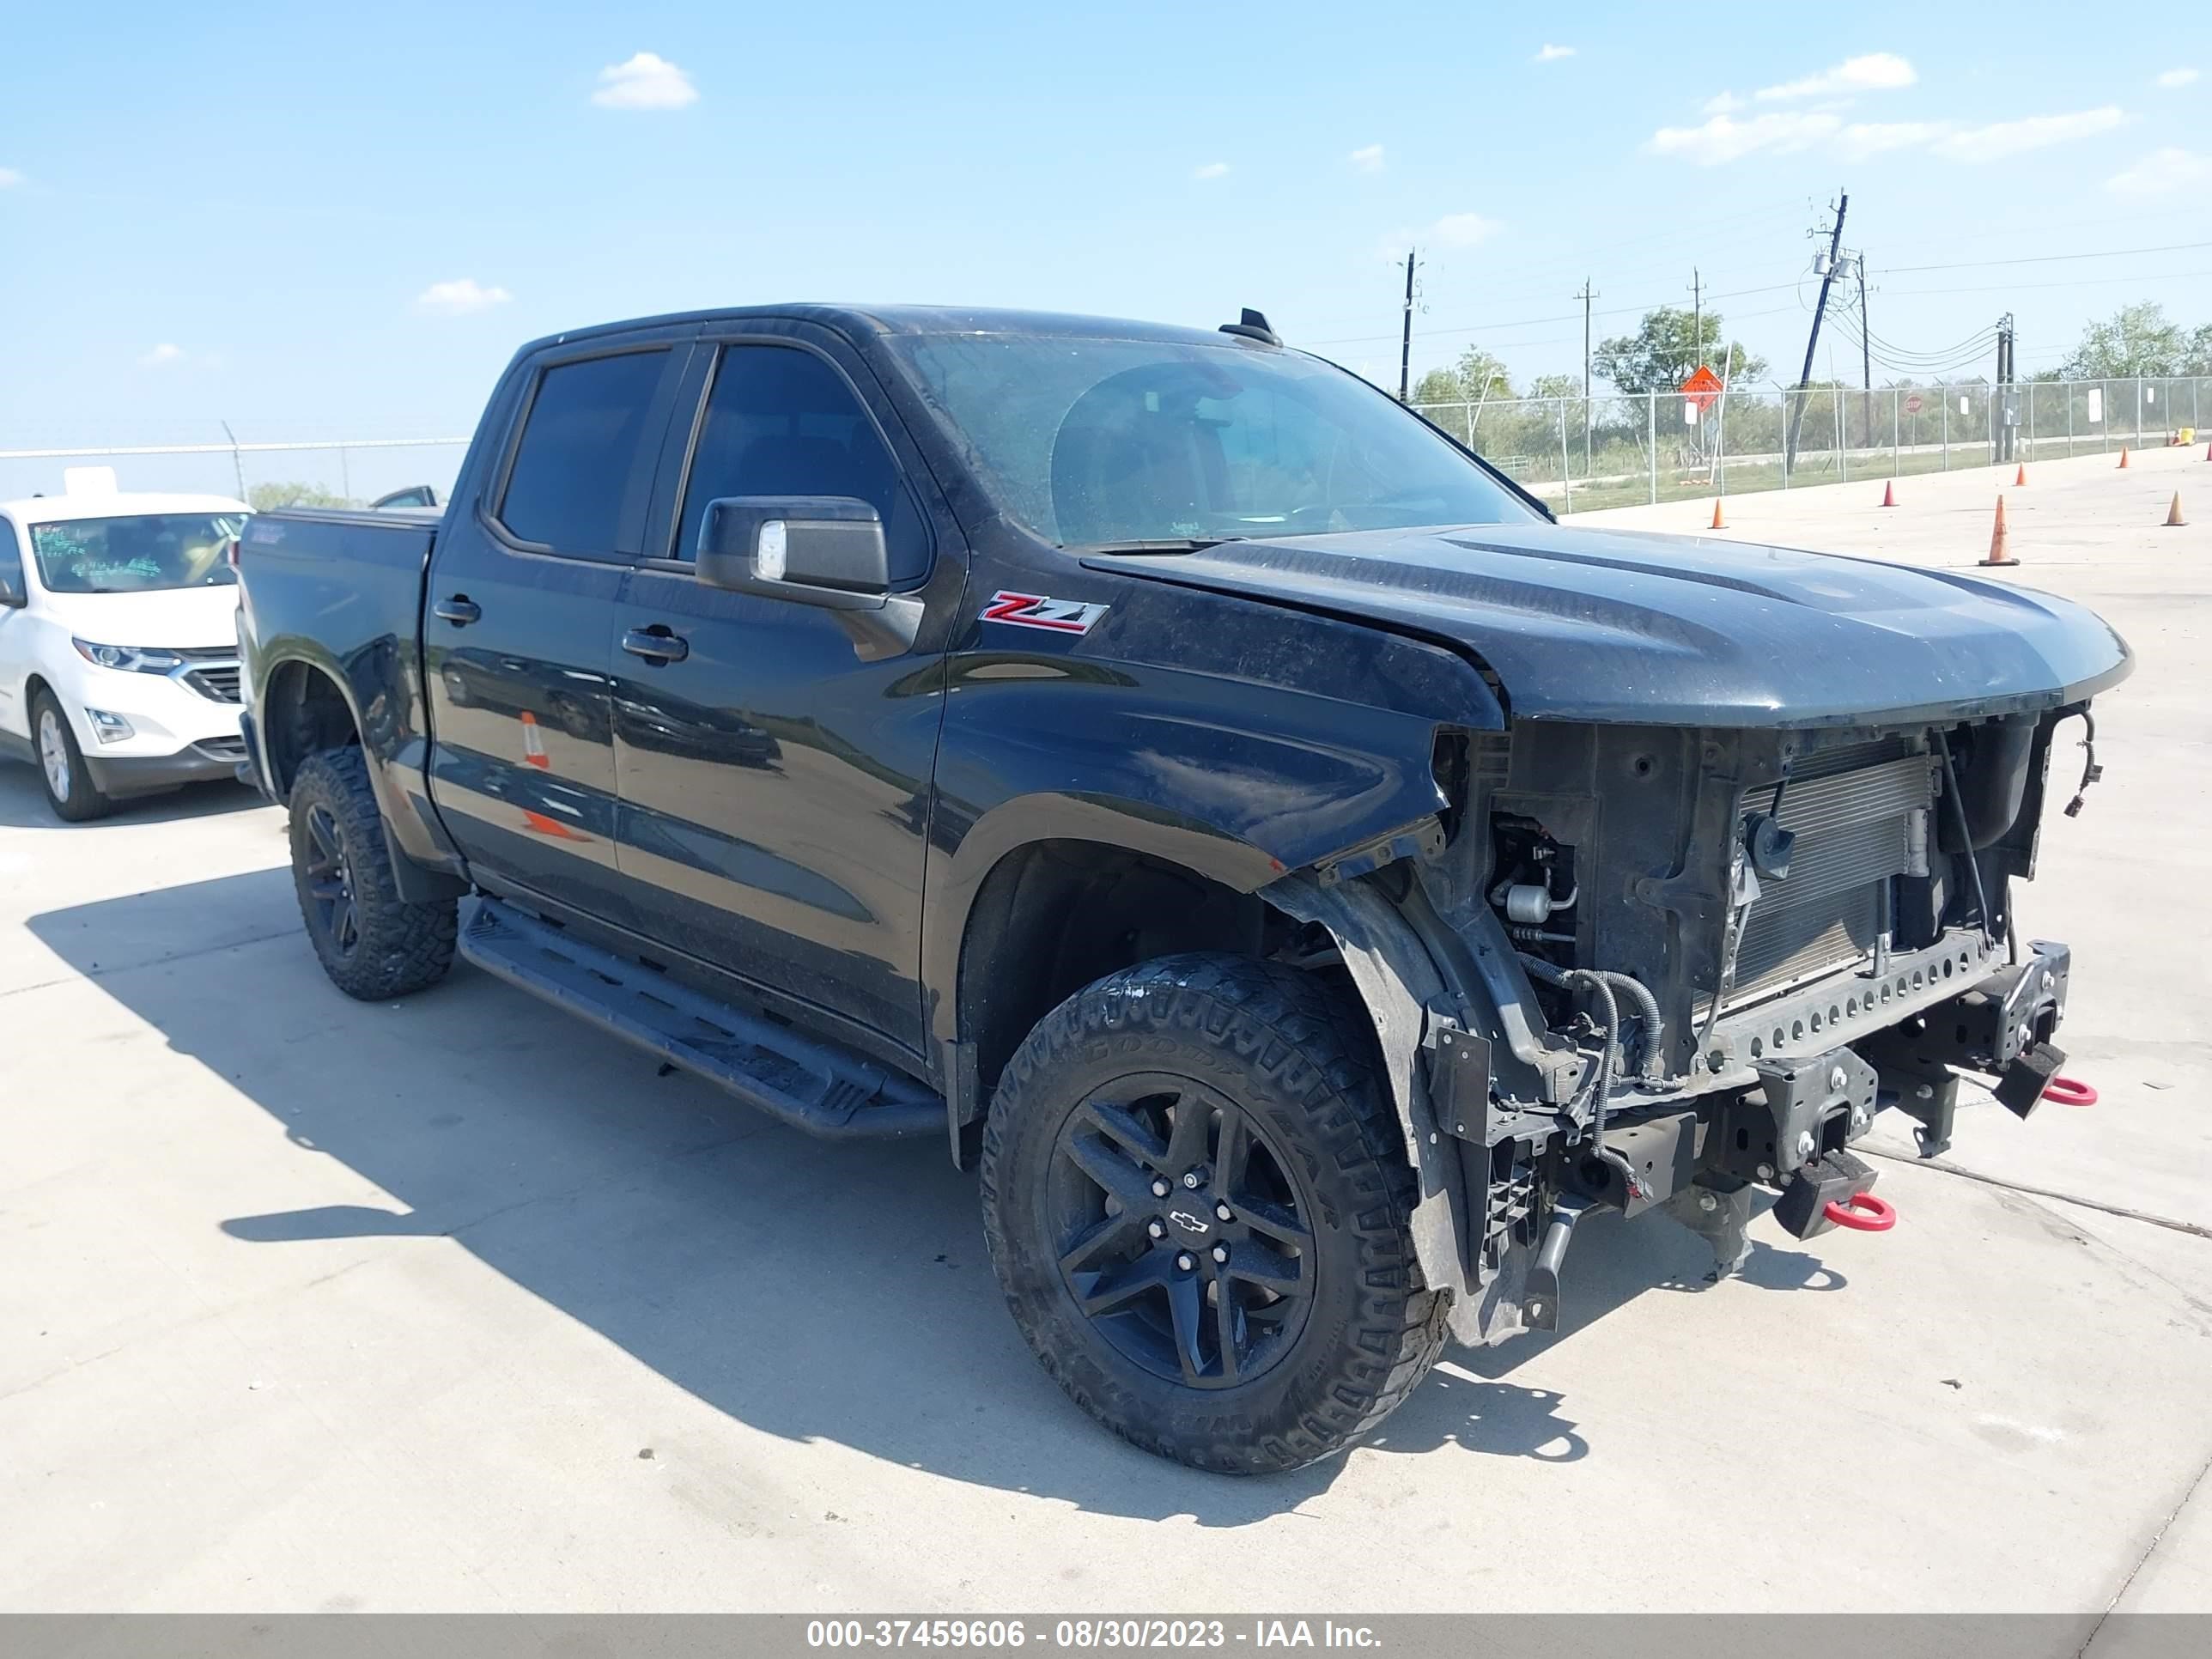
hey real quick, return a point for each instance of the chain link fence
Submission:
(1580, 454)
(332, 470)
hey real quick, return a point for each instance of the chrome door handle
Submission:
(460, 610)
(655, 644)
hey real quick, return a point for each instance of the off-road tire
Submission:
(83, 800)
(1298, 1055)
(400, 948)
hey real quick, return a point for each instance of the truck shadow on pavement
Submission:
(810, 1291)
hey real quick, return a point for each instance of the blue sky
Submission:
(316, 221)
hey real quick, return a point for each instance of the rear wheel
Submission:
(372, 943)
(69, 788)
(1198, 1205)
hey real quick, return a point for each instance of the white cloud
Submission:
(162, 356)
(1999, 139)
(460, 296)
(1552, 54)
(1863, 138)
(1782, 131)
(1211, 170)
(1725, 103)
(1724, 139)
(9, 176)
(645, 81)
(1872, 71)
(1462, 229)
(2176, 77)
(1368, 158)
(2161, 171)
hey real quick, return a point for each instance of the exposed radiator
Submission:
(1856, 829)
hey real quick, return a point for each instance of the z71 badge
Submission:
(1036, 611)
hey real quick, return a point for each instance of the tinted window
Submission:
(12, 590)
(782, 422)
(578, 444)
(1095, 440)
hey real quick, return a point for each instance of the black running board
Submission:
(810, 1085)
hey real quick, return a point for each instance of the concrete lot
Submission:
(454, 1303)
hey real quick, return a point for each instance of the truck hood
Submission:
(1625, 627)
(183, 618)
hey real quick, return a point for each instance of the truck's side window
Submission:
(781, 421)
(12, 588)
(579, 442)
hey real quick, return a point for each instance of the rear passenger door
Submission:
(774, 785)
(519, 623)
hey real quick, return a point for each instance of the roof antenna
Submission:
(1253, 325)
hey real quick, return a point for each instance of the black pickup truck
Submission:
(1302, 876)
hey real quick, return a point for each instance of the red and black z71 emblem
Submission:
(1036, 610)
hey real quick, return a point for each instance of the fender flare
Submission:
(1406, 993)
(424, 868)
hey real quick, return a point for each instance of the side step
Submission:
(810, 1085)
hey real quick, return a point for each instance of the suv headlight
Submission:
(128, 658)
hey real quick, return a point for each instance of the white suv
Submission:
(119, 643)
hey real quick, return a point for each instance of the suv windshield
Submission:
(1096, 442)
(144, 553)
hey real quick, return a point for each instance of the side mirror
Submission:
(765, 544)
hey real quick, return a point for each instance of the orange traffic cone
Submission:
(1889, 494)
(2019, 478)
(1719, 522)
(2123, 454)
(2208, 451)
(2174, 519)
(533, 745)
(1999, 552)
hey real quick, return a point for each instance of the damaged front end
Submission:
(1637, 966)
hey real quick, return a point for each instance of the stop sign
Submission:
(1912, 405)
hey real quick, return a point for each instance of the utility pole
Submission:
(1696, 321)
(1866, 345)
(1813, 340)
(1406, 338)
(2002, 442)
(1586, 297)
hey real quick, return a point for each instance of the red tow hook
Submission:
(2070, 1091)
(1863, 1212)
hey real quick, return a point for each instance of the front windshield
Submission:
(1090, 442)
(143, 553)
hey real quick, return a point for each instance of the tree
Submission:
(2134, 340)
(264, 496)
(2198, 358)
(1477, 377)
(1667, 348)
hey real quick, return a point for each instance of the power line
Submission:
(1566, 317)
(2049, 258)
(2078, 282)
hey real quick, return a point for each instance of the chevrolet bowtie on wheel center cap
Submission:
(1186, 1249)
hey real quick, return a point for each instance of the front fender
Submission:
(1237, 781)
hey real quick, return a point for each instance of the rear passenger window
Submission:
(579, 444)
(782, 422)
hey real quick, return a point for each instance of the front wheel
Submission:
(1198, 1202)
(69, 788)
(372, 943)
